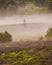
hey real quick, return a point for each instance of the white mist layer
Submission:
(18, 19)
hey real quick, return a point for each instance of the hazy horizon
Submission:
(19, 19)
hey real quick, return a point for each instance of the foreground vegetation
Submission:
(26, 53)
(31, 56)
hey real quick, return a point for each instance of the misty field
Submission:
(26, 53)
(25, 32)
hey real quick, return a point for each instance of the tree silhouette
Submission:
(5, 37)
(49, 33)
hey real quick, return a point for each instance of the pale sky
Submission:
(37, 18)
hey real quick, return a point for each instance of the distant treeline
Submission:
(4, 4)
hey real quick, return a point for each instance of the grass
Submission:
(31, 56)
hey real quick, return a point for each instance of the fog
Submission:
(38, 27)
(36, 18)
